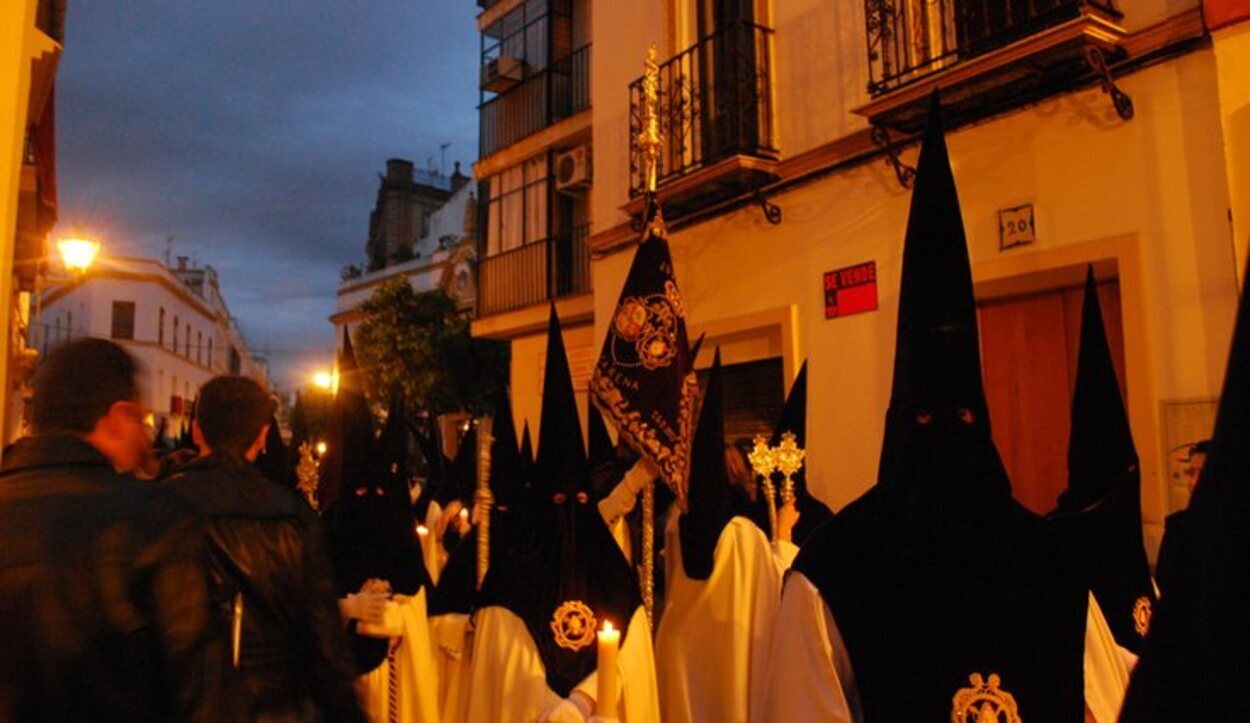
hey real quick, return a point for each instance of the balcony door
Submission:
(728, 75)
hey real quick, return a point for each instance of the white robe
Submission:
(417, 676)
(508, 681)
(715, 635)
(453, 641)
(819, 685)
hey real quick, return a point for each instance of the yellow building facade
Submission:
(1053, 175)
(31, 33)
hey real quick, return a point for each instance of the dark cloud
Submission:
(253, 132)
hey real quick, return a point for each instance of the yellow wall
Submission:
(1149, 193)
(16, 23)
(1232, 59)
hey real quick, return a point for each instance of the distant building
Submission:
(174, 320)
(402, 216)
(439, 250)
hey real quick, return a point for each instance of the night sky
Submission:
(253, 132)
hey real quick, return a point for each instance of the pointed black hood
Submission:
(393, 444)
(527, 454)
(369, 524)
(709, 498)
(812, 512)
(272, 461)
(585, 577)
(1193, 661)
(608, 462)
(936, 576)
(1104, 485)
(350, 446)
(937, 443)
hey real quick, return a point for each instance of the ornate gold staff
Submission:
(483, 500)
(649, 144)
(306, 474)
(764, 462)
(789, 458)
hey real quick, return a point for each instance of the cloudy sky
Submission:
(253, 132)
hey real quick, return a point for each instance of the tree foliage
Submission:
(420, 343)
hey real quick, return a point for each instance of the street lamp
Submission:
(323, 380)
(76, 254)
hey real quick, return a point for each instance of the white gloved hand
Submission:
(621, 499)
(565, 711)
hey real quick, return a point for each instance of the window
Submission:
(160, 328)
(186, 347)
(123, 320)
(175, 346)
(517, 207)
(69, 325)
(199, 346)
(210, 352)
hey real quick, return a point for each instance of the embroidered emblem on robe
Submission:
(984, 702)
(1141, 615)
(573, 625)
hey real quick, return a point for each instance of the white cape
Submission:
(508, 681)
(416, 691)
(715, 635)
(453, 640)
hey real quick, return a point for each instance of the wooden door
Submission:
(1029, 349)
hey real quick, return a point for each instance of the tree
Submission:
(420, 344)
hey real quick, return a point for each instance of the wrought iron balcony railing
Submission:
(715, 101)
(911, 39)
(534, 273)
(543, 98)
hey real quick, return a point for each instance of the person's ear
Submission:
(258, 444)
(197, 435)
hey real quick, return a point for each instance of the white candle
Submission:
(609, 681)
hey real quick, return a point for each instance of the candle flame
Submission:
(607, 626)
(423, 530)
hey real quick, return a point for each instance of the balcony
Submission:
(987, 56)
(534, 273)
(545, 97)
(715, 121)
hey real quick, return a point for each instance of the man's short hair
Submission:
(79, 382)
(231, 411)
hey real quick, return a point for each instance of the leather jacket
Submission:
(266, 546)
(102, 592)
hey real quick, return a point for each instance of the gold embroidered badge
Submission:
(573, 625)
(984, 702)
(1142, 611)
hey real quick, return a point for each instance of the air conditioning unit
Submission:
(573, 170)
(502, 73)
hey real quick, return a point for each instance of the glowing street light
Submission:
(321, 449)
(323, 380)
(77, 254)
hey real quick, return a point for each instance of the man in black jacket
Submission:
(272, 588)
(103, 590)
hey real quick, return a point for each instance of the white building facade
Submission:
(173, 320)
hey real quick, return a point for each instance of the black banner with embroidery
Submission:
(644, 381)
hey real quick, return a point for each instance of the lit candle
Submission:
(422, 530)
(609, 681)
